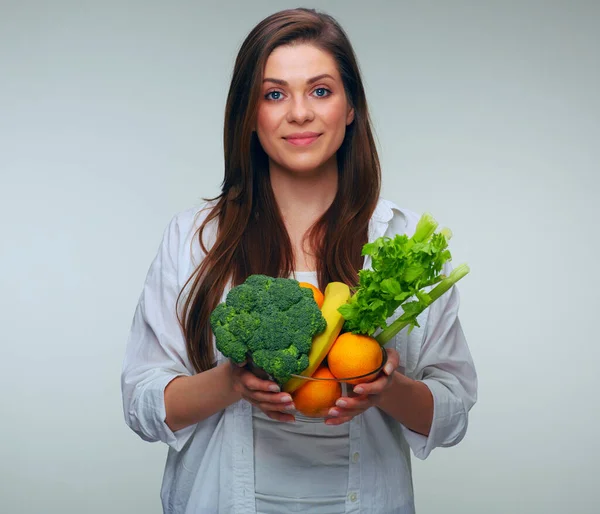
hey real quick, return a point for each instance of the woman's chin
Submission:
(306, 167)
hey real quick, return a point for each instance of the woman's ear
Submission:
(350, 116)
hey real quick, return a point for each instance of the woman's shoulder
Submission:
(187, 221)
(180, 235)
(400, 220)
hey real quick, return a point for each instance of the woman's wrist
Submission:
(191, 399)
(409, 402)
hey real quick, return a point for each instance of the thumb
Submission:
(393, 361)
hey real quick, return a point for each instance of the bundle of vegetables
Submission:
(270, 323)
(276, 325)
(405, 272)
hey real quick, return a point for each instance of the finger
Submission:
(356, 404)
(338, 420)
(393, 361)
(272, 408)
(286, 407)
(374, 387)
(276, 400)
(344, 413)
(253, 383)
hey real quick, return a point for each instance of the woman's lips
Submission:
(302, 141)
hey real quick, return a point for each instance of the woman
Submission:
(300, 198)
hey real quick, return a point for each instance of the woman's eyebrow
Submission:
(309, 81)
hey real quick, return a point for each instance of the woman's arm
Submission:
(161, 392)
(408, 401)
(191, 399)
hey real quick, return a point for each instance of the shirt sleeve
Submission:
(156, 351)
(445, 365)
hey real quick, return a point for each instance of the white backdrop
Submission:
(487, 115)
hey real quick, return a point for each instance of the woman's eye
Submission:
(322, 92)
(273, 95)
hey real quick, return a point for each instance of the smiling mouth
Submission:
(302, 141)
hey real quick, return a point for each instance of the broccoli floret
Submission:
(269, 335)
(243, 326)
(259, 282)
(221, 315)
(242, 297)
(284, 293)
(281, 363)
(271, 321)
(229, 345)
(307, 320)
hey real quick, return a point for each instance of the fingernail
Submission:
(341, 403)
(333, 413)
(291, 406)
(274, 388)
(359, 390)
(388, 369)
(286, 398)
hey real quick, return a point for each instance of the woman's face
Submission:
(303, 111)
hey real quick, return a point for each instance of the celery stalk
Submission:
(425, 228)
(443, 286)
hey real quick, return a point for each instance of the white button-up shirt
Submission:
(210, 465)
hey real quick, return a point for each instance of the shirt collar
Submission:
(383, 211)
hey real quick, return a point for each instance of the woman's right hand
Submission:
(265, 394)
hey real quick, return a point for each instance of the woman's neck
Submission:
(302, 198)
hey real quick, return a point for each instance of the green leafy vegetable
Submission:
(403, 274)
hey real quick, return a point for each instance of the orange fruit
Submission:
(316, 397)
(354, 355)
(319, 298)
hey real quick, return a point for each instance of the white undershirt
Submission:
(300, 466)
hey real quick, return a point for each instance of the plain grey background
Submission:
(487, 115)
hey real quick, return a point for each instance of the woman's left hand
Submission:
(365, 395)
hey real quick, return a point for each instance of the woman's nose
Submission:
(299, 111)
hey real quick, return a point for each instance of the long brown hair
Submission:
(251, 236)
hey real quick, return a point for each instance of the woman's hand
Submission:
(365, 395)
(265, 394)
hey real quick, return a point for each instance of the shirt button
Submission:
(353, 497)
(355, 457)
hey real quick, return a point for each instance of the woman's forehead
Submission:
(299, 62)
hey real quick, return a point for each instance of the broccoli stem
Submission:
(444, 285)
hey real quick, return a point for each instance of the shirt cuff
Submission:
(151, 413)
(449, 423)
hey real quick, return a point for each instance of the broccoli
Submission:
(271, 321)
